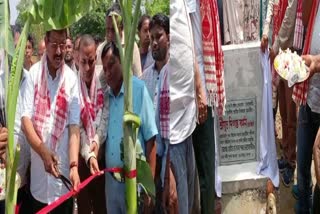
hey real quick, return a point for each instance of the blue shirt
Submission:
(143, 107)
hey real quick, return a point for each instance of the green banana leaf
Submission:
(13, 157)
(59, 14)
(144, 174)
(144, 177)
(6, 39)
(14, 81)
(13, 185)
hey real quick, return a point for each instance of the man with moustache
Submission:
(144, 42)
(68, 58)
(156, 81)
(50, 121)
(91, 199)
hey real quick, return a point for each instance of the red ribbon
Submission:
(131, 174)
(56, 203)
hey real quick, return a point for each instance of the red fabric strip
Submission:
(131, 174)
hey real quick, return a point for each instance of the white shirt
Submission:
(85, 145)
(182, 85)
(151, 77)
(44, 187)
(149, 60)
(19, 136)
(197, 35)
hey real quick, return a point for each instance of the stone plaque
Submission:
(238, 132)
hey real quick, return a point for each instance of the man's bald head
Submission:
(86, 40)
(87, 58)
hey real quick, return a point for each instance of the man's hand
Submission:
(313, 63)
(3, 161)
(3, 140)
(74, 178)
(272, 56)
(93, 164)
(264, 43)
(202, 108)
(200, 94)
(49, 159)
(94, 148)
(3, 145)
(148, 206)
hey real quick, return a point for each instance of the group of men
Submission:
(296, 26)
(69, 117)
(70, 110)
(65, 110)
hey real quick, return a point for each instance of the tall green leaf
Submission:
(15, 77)
(6, 39)
(13, 185)
(144, 176)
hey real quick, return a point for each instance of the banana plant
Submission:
(131, 122)
(130, 126)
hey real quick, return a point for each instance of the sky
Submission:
(13, 11)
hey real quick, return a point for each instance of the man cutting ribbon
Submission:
(50, 118)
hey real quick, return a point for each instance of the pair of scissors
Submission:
(67, 183)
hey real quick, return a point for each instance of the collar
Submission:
(164, 67)
(121, 90)
(58, 71)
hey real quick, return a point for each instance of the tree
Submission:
(92, 23)
(36, 29)
(158, 6)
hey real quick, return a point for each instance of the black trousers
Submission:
(204, 149)
(64, 208)
(23, 199)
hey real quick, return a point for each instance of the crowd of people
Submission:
(69, 117)
(296, 26)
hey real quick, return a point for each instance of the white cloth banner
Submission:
(268, 165)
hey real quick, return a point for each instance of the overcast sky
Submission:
(13, 11)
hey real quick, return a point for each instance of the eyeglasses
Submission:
(55, 45)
